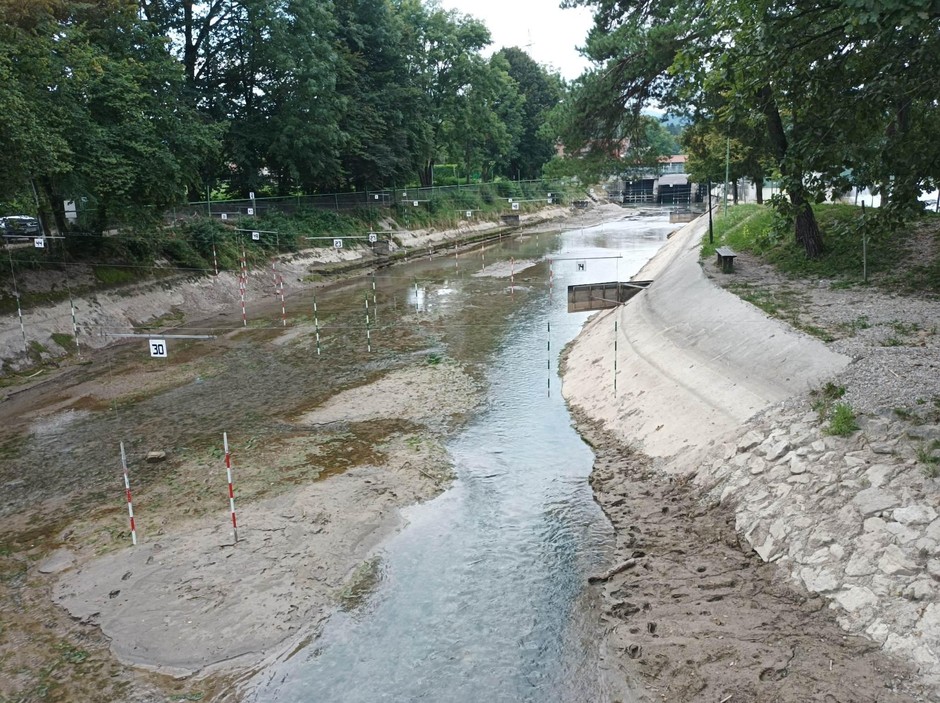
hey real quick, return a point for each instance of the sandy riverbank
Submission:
(711, 449)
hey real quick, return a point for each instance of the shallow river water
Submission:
(483, 595)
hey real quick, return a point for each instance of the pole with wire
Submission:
(231, 489)
(19, 310)
(316, 322)
(127, 491)
(549, 367)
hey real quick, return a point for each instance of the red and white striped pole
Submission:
(215, 260)
(127, 490)
(242, 286)
(231, 489)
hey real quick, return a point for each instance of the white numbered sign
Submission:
(510, 199)
(469, 214)
(373, 237)
(376, 196)
(251, 211)
(337, 243)
(223, 216)
(416, 203)
(39, 243)
(158, 348)
(256, 236)
(515, 206)
(549, 201)
(251, 196)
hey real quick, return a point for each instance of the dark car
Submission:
(20, 226)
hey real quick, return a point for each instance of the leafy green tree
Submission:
(101, 106)
(838, 85)
(541, 91)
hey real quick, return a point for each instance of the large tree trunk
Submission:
(759, 189)
(806, 228)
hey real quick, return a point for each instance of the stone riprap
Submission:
(855, 518)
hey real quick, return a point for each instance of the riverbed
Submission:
(483, 595)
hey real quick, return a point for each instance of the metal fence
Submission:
(428, 197)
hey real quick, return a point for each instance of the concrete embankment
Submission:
(695, 362)
(715, 398)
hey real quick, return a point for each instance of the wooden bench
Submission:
(726, 259)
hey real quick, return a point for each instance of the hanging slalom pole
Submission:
(19, 310)
(368, 328)
(279, 291)
(512, 275)
(416, 294)
(549, 366)
(375, 301)
(551, 279)
(615, 357)
(127, 491)
(316, 323)
(231, 489)
(243, 285)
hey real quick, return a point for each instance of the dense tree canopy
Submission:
(125, 106)
(833, 91)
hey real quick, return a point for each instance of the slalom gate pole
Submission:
(242, 286)
(127, 491)
(19, 310)
(316, 323)
(549, 366)
(615, 357)
(368, 328)
(375, 301)
(231, 489)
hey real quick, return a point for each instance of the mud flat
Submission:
(760, 558)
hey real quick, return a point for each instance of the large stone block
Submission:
(875, 500)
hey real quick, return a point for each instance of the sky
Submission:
(543, 30)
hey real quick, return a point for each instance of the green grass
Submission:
(115, 275)
(842, 420)
(66, 341)
(822, 399)
(757, 229)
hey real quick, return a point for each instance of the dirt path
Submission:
(699, 619)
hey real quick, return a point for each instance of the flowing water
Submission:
(483, 595)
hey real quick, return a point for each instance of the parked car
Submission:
(20, 226)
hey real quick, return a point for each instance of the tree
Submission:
(100, 97)
(815, 73)
(541, 90)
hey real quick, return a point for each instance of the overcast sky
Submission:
(543, 30)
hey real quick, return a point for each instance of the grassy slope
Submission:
(906, 259)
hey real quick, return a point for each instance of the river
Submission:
(483, 596)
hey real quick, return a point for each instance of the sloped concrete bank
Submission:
(121, 310)
(711, 448)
